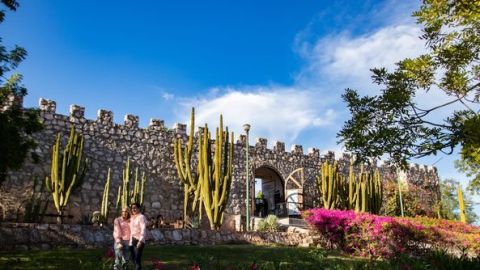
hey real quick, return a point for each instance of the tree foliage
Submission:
(394, 124)
(16, 123)
(449, 202)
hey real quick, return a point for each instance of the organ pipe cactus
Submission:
(191, 183)
(215, 174)
(329, 183)
(67, 170)
(368, 192)
(461, 204)
(106, 191)
(127, 195)
(182, 158)
(352, 193)
(138, 191)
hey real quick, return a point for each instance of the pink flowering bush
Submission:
(375, 236)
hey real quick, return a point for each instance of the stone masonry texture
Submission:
(108, 145)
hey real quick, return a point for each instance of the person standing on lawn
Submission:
(138, 227)
(121, 236)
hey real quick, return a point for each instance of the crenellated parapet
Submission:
(297, 149)
(180, 129)
(47, 106)
(77, 113)
(261, 143)
(105, 118)
(279, 147)
(10, 101)
(131, 121)
(314, 152)
(109, 144)
(156, 124)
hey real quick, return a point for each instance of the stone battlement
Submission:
(150, 149)
(105, 118)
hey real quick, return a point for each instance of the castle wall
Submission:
(108, 144)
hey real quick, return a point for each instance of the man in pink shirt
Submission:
(138, 227)
(121, 236)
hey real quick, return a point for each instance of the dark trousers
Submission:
(136, 253)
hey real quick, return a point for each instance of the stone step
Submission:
(293, 222)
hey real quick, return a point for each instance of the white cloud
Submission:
(167, 96)
(331, 63)
(276, 113)
(348, 60)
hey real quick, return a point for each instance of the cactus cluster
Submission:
(215, 175)
(126, 195)
(368, 192)
(364, 189)
(210, 186)
(67, 170)
(329, 182)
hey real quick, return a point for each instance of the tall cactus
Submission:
(191, 183)
(352, 193)
(461, 204)
(368, 191)
(215, 174)
(136, 195)
(376, 191)
(127, 195)
(67, 170)
(106, 191)
(329, 182)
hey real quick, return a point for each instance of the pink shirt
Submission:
(138, 224)
(121, 229)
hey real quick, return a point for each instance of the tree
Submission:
(449, 206)
(16, 123)
(393, 124)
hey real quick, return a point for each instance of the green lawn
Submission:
(211, 258)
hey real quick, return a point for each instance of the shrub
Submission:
(389, 237)
(269, 224)
(414, 201)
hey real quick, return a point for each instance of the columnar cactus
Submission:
(182, 158)
(368, 192)
(461, 204)
(376, 192)
(215, 174)
(136, 195)
(328, 183)
(67, 170)
(352, 193)
(126, 195)
(106, 191)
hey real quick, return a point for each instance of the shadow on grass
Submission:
(225, 257)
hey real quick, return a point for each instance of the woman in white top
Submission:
(138, 227)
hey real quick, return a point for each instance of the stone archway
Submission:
(272, 187)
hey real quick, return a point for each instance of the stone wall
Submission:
(108, 145)
(25, 236)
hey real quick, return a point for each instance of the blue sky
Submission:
(278, 65)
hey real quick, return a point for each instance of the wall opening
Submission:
(269, 193)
